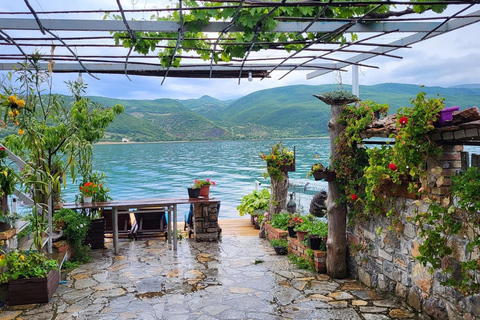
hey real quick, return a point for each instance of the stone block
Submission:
(473, 305)
(401, 290)
(433, 308)
(414, 299)
(383, 255)
(422, 277)
(415, 251)
(410, 231)
(364, 277)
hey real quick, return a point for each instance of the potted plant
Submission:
(279, 159)
(31, 277)
(254, 203)
(205, 186)
(303, 228)
(293, 222)
(88, 190)
(320, 172)
(317, 235)
(194, 190)
(280, 246)
(281, 220)
(75, 229)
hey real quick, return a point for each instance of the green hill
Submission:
(282, 112)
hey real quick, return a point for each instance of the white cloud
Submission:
(446, 60)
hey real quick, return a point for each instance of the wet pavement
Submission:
(235, 278)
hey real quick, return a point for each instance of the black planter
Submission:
(95, 235)
(291, 232)
(281, 250)
(193, 193)
(314, 242)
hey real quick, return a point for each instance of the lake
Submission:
(161, 170)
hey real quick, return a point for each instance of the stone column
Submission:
(205, 221)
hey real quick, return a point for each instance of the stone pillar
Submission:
(450, 162)
(205, 221)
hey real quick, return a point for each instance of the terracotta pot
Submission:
(205, 191)
(301, 235)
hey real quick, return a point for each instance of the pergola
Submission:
(78, 44)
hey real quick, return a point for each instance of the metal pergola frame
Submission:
(41, 30)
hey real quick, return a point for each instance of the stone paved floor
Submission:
(236, 278)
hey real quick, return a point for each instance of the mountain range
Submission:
(284, 112)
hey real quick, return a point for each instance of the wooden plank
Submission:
(464, 160)
(475, 160)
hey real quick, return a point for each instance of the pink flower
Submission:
(208, 179)
(392, 167)
(255, 219)
(266, 214)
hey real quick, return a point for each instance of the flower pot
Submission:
(445, 116)
(301, 235)
(281, 250)
(204, 191)
(324, 175)
(314, 242)
(34, 290)
(193, 193)
(291, 232)
(95, 235)
(87, 199)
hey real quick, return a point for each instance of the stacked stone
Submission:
(205, 221)
(384, 259)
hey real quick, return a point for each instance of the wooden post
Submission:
(336, 210)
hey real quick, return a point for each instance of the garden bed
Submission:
(298, 249)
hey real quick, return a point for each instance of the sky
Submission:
(447, 60)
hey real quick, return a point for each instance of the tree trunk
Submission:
(336, 211)
(278, 195)
(4, 200)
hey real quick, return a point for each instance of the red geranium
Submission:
(354, 197)
(403, 120)
(392, 167)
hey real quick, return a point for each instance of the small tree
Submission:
(55, 135)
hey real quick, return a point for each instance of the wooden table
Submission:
(169, 203)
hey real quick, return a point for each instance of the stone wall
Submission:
(384, 258)
(205, 220)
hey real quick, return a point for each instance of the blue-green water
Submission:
(162, 170)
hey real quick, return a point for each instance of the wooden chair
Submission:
(125, 223)
(151, 221)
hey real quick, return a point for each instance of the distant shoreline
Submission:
(184, 141)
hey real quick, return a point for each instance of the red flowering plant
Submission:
(279, 158)
(404, 161)
(295, 220)
(206, 182)
(88, 189)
